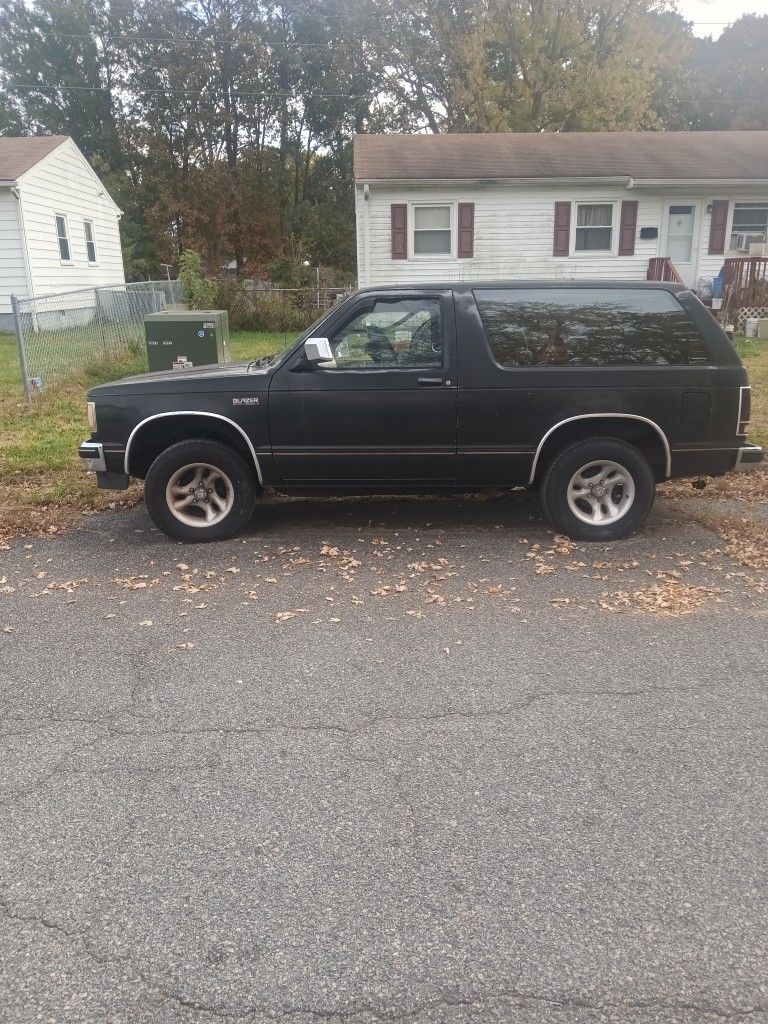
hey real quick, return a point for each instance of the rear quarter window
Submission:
(588, 327)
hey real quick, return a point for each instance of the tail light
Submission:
(745, 409)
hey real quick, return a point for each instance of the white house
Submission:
(570, 205)
(59, 227)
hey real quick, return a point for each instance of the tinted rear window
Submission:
(588, 327)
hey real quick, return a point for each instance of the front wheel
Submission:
(601, 490)
(199, 490)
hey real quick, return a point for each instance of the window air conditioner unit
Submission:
(758, 248)
(743, 241)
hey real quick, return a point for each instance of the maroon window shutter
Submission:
(717, 226)
(466, 230)
(399, 217)
(562, 229)
(628, 227)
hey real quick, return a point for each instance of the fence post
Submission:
(21, 349)
(100, 321)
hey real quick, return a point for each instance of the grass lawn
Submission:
(43, 485)
(754, 354)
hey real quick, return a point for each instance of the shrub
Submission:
(199, 291)
(276, 313)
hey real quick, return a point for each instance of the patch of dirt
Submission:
(21, 516)
(748, 486)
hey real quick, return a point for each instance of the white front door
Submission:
(682, 218)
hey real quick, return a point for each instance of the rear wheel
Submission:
(199, 491)
(601, 489)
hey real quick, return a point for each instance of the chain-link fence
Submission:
(60, 333)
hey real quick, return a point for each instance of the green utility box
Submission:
(177, 339)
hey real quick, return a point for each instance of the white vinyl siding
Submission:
(63, 184)
(513, 235)
(514, 232)
(13, 275)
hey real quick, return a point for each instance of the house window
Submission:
(594, 227)
(432, 231)
(750, 224)
(90, 240)
(65, 253)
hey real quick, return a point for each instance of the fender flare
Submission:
(192, 412)
(602, 416)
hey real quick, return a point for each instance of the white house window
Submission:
(90, 240)
(594, 227)
(750, 224)
(65, 253)
(432, 230)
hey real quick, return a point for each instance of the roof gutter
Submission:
(624, 180)
(7, 184)
(701, 182)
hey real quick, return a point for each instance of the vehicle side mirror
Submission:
(318, 350)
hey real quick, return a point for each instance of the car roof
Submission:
(464, 286)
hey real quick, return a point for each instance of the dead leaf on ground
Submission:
(669, 598)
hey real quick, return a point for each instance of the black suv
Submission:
(593, 392)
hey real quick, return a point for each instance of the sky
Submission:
(710, 17)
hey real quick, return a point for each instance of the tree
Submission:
(62, 72)
(732, 77)
(529, 65)
(224, 126)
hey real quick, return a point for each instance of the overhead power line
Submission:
(189, 92)
(357, 97)
(234, 38)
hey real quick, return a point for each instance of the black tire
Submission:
(562, 470)
(236, 483)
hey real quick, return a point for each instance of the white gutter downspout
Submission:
(366, 235)
(16, 193)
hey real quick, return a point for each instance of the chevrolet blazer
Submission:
(591, 392)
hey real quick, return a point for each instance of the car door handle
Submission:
(430, 382)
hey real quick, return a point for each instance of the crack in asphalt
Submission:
(68, 936)
(348, 734)
(371, 722)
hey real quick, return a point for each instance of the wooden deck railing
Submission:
(745, 282)
(661, 268)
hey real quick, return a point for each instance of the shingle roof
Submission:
(703, 155)
(18, 154)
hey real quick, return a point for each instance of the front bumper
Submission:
(749, 457)
(93, 455)
(107, 466)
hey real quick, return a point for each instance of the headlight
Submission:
(92, 417)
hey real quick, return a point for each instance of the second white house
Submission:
(570, 205)
(59, 226)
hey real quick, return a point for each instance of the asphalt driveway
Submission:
(379, 760)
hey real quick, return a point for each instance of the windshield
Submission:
(275, 358)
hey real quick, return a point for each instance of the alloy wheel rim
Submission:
(200, 495)
(601, 492)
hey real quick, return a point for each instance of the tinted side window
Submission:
(588, 327)
(391, 334)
